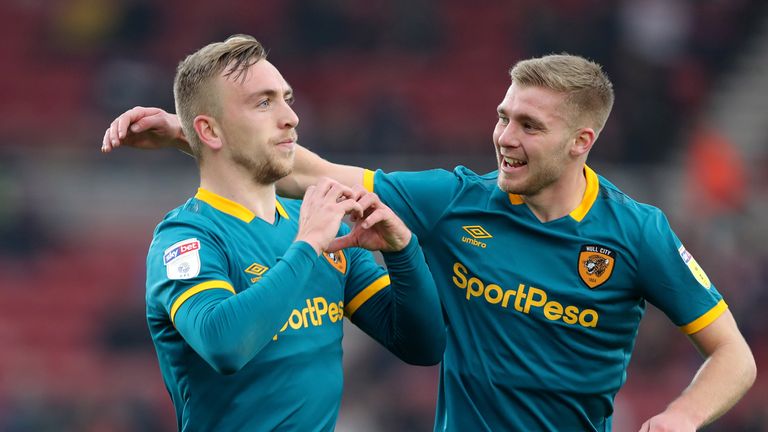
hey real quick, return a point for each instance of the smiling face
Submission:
(533, 140)
(257, 125)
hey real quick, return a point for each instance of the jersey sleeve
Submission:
(401, 310)
(673, 281)
(225, 326)
(184, 259)
(419, 198)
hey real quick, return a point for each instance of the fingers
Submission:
(375, 217)
(137, 118)
(341, 243)
(351, 207)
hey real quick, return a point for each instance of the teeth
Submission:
(513, 161)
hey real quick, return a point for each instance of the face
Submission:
(532, 140)
(257, 124)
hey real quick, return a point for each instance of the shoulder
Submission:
(459, 176)
(626, 208)
(187, 223)
(486, 181)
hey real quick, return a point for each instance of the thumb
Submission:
(341, 242)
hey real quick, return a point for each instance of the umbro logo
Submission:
(476, 232)
(257, 270)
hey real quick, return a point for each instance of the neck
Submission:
(560, 198)
(233, 183)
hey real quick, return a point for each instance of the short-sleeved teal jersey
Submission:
(542, 317)
(213, 246)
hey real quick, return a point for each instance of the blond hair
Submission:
(193, 88)
(589, 92)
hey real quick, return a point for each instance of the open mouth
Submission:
(508, 162)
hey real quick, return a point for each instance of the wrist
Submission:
(691, 416)
(399, 242)
(405, 253)
(314, 244)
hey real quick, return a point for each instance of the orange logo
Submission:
(595, 265)
(337, 260)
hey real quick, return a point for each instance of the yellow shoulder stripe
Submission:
(590, 195)
(706, 319)
(214, 284)
(366, 294)
(368, 180)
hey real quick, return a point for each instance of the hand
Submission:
(668, 422)
(378, 229)
(322, 210)
(145, 128)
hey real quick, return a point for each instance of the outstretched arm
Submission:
(154, 128)
(727, 373)
(308, 168)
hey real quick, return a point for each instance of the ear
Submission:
(208, 130)
(583, 141)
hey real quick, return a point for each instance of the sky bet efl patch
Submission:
(182, 260)
(695, 268)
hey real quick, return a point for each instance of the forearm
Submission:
(720, 382)
(414, 326)
(228, 331)
(309, 168)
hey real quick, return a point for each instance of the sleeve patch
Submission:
(182, 260)
(694, 267)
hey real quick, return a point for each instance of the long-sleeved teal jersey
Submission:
(542, 317)
(247, 323)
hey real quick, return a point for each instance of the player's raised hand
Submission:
(322, 210)
(145, 128)
(378, 229)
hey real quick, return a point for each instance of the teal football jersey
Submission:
(542, 317)
(211, 246)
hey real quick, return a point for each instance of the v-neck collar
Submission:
(589, 198)
(233, 208)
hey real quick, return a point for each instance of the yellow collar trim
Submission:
(225, 205)
(590, 195)
(232, 208)
(281, 210)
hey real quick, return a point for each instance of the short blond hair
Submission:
(589, 92)
(193, 88)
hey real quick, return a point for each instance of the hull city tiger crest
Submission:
(337, 260)
(595, 265)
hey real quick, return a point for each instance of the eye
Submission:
(530, 127)
(290, 100)
(264, 103)
(503, 119)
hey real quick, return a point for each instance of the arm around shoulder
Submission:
(309, 168)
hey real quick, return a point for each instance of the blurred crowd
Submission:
(388, 84)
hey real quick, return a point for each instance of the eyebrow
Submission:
(269, 92)
(522, 117)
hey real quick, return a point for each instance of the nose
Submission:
(289, 118)
(507, 136)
